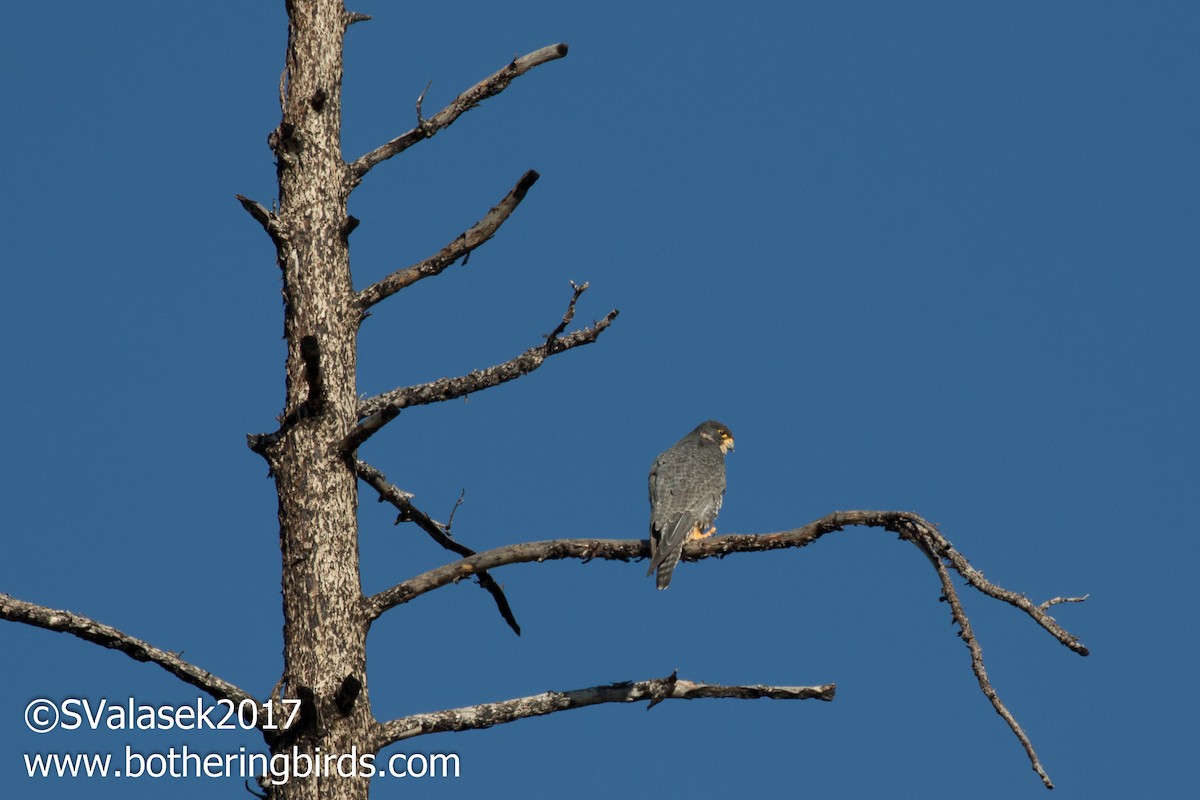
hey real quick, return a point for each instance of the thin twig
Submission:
(485, 715)
(457, 503)
(461, 247)
(488, 87)
(439, 533)
(1056, 600)
(577, 290)
(420, 103)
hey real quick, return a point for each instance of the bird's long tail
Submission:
(667, 567)
(670, 548)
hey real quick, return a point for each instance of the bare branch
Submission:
(1056, 600)
(488, 87)
(467, 241)
(910, 527)
(388, 492)
(60, 621)
(368, 427)
(985, 686)
(480, 379)
(421, 104)
(943, 548)
(653, 691)
(457, 504)
(551, 550)
(353, 17)
(576, 291)
(439, 533)
(262, 216)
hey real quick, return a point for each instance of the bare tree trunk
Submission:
(324, 626)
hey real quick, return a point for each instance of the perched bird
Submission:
(687, 485)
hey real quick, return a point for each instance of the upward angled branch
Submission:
(480, 379)
(467, 241)
(53, 619)
(488, 87)
(378, 411)
(262, 216)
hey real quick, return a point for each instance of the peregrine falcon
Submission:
(687, 484)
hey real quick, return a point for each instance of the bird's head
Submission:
(716, 433)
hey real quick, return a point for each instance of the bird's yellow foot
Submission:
(697, 535)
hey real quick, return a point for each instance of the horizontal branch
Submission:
(910, 527)
(467, 241)
(438, 532)
(480, 379)
(652, 691)
(488, 87)
(53, 619)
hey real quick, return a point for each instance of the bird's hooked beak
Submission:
(726, 443)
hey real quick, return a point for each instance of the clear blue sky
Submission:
(932, 256)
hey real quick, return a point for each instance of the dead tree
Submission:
(314, 456)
